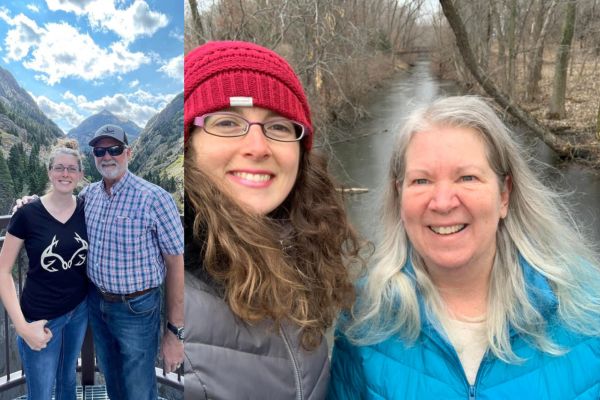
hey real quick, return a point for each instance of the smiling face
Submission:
(451, 199)
(256, 171)
(112, 168)
(65, 181)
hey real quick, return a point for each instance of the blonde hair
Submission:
(539, 228)
(66, 146)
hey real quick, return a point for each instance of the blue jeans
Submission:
(56, 363)
(126, 338)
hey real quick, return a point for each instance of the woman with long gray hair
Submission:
(483, 285)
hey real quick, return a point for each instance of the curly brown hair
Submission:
(292, 265)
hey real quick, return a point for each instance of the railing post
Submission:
(88, 368)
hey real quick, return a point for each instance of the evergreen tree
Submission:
(38, 177)
(89, 167)
(7, 192)
(17, 165)
(170, 185)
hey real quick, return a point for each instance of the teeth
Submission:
(253, 177)
(446, 230)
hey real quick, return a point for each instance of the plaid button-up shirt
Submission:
(128, 232)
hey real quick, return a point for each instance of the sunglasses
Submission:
(115, 150)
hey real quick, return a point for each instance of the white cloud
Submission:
(75, 6)
(154, 56)
(173, 68)
(134, 83)
(59, 111)
(138, 106)
(33, 8)
(176, 34)
(20, 39)
(58, 51)
(75, 99)
(129, 23)
(160, 100)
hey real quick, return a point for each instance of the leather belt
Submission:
(117, 298)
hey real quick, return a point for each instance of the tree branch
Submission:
(559, 145)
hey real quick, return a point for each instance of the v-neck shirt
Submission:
(56, 279)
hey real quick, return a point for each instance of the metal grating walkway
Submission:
(97, 392)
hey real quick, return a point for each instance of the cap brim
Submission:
(97, 138)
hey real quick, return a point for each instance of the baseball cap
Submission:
(109, 131)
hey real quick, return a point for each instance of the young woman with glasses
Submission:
(51, 316)
(267, 239)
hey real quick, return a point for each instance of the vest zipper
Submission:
(482, 365)
(297, 377)
(447, 348)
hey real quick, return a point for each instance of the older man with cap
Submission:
(135, 242)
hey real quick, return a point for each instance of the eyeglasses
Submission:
(226, 124)
(61, 168)
(114, 151)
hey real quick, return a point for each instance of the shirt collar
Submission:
(120, 184)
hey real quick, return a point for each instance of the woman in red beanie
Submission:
(267, 239)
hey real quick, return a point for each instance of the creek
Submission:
(363, 162)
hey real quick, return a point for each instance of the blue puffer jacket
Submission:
(430, 368)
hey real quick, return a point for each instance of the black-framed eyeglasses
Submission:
(228, 124)
(61, 168)
(114, 151)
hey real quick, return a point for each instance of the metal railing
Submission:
(88, 368)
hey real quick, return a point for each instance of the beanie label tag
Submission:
(240, 101)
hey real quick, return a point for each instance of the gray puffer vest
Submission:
(227, 359)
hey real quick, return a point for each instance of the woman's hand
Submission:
(35, 334)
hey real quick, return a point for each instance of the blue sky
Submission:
(78, 57)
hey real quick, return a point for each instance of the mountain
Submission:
(21, 120)
(158, 152)
(86, 129)
(25, 133)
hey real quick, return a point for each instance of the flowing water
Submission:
(363, 162)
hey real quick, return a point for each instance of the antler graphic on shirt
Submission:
(79, 253)
(48, 257)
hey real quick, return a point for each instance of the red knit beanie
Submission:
(219, 75)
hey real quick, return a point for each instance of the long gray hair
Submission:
(538, 227)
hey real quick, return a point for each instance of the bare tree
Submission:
(198, 30)
(556, 143)
(340, 48)
(598, 124)
(512, 47)
(540, 31)
(557, 104)
(501, 40)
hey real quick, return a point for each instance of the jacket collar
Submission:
(540, 294)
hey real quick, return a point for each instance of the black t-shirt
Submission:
(56, 280)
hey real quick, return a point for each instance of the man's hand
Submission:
(22, 201)
(171, 347)
(171, 351)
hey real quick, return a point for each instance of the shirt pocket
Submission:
(130, 230)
